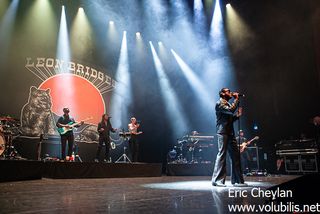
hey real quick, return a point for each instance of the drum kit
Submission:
(191, 149)
(9, 130)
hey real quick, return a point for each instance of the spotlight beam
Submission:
(193, 80)
(173, 108)
(63, 49)
(121, 97)
(6, 27)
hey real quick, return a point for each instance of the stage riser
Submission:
(69, 170)
(201, 169)
(16, 170)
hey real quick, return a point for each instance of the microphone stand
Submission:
(239, 140)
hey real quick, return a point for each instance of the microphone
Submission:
(239, 95)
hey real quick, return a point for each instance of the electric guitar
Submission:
(64, 130)
(244, 145)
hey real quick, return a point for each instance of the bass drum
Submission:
(2, 144)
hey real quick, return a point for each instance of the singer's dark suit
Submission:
(104, 137)
(226, 143)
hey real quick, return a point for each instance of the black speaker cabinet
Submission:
(301, 163)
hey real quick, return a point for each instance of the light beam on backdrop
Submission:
(63, 49)
(239, 34)
(81, 35)
(63, 54)
(140, 46)
(217, 36)
(199, 16)
(165, 57)
(112, 32)
(156, 14)
(173, 108)
(6, 27)
(183, 30)
(194, 81)
(3, 7)
(40, 26)
(121, 97)
(218, 69)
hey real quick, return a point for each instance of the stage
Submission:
(29, 186)
(165, 194)
(18, 170)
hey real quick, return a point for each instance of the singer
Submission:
(104, 128)
(226, 114)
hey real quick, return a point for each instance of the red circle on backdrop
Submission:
(78, 94)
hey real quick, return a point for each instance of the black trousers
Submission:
(245, 161)
(134, 148)
(106, 141)
(68, 137)
(227, 143)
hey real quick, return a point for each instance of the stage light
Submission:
(6, 28)
(121, 97)
(199, 17)
(216, 29)
(160, 43)
(63, 49)
(173, 107)
(228, 5)
(239, 33)
(81, 32)
(112, 33)
(140, 47)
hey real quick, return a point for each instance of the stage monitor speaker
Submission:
(301, 163)
(309, 163)
(292, 163)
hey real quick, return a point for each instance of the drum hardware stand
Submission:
(39, 147)
(124, 157)
(10, 152)
(192, 152)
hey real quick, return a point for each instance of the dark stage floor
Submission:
(166, 194)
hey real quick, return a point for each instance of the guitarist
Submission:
(245, 156)
(66, 121)
(133, 141)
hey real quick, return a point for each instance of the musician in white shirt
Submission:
(133, 141)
